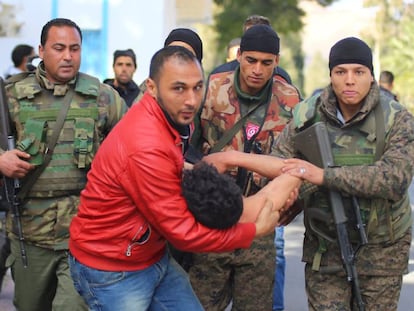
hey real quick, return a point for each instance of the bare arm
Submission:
(276, 193)
(265, 165)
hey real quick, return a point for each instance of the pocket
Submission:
(83, 141)
(140, 237)
(33, 140)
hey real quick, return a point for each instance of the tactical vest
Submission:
(358, 145)
(78, 141)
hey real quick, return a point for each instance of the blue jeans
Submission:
(162, 286)
(279, 287)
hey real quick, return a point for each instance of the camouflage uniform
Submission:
(380, 187)
(46, 213)
(246, 276)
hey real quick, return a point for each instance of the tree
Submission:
(318, 74)
(292, 58)
(392, 44)
(285, 16)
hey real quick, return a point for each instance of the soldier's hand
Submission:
(14, 163)
(303, 169)
(267, 219)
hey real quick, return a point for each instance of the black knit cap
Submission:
(188, 36)
(350, 50)
(128, 52)
(260, 38)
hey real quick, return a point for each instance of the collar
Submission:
(247, 98)
(329, 103)
(58, 88)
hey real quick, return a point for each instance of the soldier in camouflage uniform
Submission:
(372, 141)
(265, 102)
(35, 101)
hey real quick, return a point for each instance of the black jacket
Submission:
(128, 94)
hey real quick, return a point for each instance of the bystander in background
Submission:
(232, 49)
(386, 83)
(20, 56)
(124, 66)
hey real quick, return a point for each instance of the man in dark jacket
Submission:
(124, 66)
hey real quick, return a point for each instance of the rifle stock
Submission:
(320, 154)
(9, 185)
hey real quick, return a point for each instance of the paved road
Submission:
(6, 295)
(295, 297)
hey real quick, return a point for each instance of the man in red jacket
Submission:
(132, 203)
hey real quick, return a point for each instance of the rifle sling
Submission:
(379, 131)
(25, 189)
(229, 134)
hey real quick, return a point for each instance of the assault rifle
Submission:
(9, 186)
(313, 143)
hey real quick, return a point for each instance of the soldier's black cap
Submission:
(350, 50)
(260, 38)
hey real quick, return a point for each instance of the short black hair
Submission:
(162, 55)
(233, 42)
(214, 199)
(386, 77)
(255, 20)
(20, 52)
(129, 53)
(58, 22)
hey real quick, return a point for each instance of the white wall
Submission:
(140, 25)
(30, 31)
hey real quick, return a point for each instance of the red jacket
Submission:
(134, 185)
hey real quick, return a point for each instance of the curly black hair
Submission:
(214, 199)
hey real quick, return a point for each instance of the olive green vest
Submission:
(78, 141)
(359, 145)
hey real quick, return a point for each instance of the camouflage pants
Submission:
(333, 292)
(244, 276)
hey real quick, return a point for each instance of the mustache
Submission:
(189, 109)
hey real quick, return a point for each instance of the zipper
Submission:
(145, 237)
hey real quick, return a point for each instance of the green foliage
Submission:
(292, 58)
(393, 42)
(285, 16)
(318, 74)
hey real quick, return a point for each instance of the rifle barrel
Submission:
(7, 142)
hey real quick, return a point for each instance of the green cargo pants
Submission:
(46, 283)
